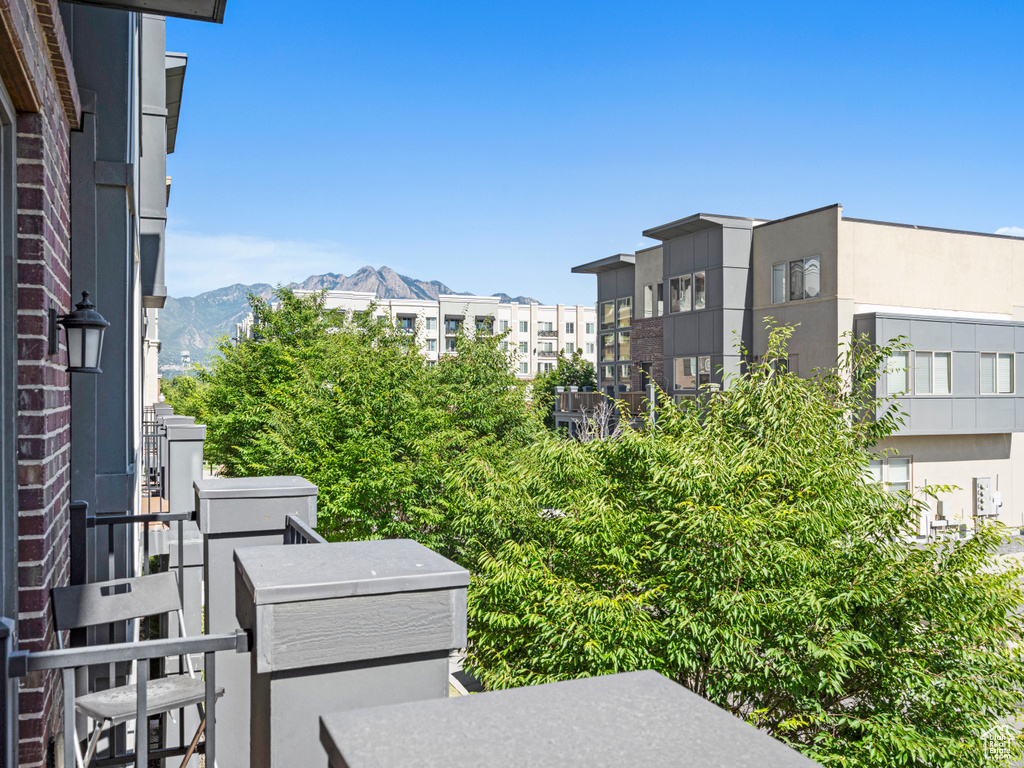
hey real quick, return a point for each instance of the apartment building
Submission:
(536, 332)
(678, 315)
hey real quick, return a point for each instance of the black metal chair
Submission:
(119, 600)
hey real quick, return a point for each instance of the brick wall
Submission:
(646, 345)
(36, 69)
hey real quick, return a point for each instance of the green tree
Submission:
(570, 371)
(738, 549)
(350, 404)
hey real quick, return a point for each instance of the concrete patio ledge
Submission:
(631, 719)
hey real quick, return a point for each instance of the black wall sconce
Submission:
(84, 331)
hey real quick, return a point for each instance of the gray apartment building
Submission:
(678, 315)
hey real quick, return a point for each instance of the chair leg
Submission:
(93, 742)
(194, 744)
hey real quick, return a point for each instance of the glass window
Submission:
(932, 374)
(660, 301)
(703, 371)
(796, 280)
(623, 345)
(449, 345)
(675, 294)
(607, 347)
(997, 373)
(570, 327)
(648, 301)
(407, 324)
(778, 283)
(590, 347)
(503, 325)
(685, 373)
(874, 474)
(452, 325)
(699, 294)
(812, 277)
(804, 279)
(569, 347)
(524, 347)
(547, 346)
(625, 312)
(607, 315)
(922, 373)
(899, 474)
(431, 323)
(897, 373)
(524, 326)
(625, 372)
(941, 373)
(431, 345)
(524, 367)
(590, 327)
(608, 372)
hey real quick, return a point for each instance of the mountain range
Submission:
(193, 324)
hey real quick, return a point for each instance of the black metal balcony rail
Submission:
(150, 458)
(635, 403)
(20, 663)
(547, 334)
(547, 353)
(297, 532)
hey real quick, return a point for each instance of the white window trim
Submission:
(1013, 373)
(933, 393)
(884, 461)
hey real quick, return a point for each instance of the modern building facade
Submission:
(536, 332)
(678, 315)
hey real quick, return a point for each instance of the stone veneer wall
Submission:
(36, 70)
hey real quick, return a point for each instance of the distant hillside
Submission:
(194, 323)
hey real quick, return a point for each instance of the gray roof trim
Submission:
(805, 213)
(606, 264)
(696, 223)
(197, 10)
(889, 315)
(649, 248)
(174, 74)
(933, 229)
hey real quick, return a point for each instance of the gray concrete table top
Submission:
(345, 569)
(631, 719)
(253, 487)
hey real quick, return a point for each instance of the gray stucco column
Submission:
(343, 626)
(240, 512)
(635, 718)
(163, 423)
(162, 409)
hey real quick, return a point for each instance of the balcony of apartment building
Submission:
(283, 649)
(452, 325)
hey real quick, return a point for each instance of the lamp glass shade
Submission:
(75, 347)
(84, 328)
(92, 344)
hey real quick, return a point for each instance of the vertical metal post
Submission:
(209, 662)
(9, 705)
(70, 733)
(79, 549)
(141, 721)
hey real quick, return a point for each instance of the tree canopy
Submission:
(735, 547)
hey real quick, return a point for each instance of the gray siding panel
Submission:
(967, 411)
(964, 336)
(995, 337)
(965, 416)
(996, 414)
(700, 250)
(931, 334)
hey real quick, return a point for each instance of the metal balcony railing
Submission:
(547, 334)
(547, 353)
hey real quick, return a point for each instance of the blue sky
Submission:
(493, 146)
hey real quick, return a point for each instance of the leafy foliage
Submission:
(570, 371)
(735, 546)
(738, 550)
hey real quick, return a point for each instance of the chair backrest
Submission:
(104, 602)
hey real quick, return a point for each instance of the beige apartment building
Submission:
(956, 297)
(537, 333)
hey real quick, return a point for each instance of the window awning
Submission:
(198, 10)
